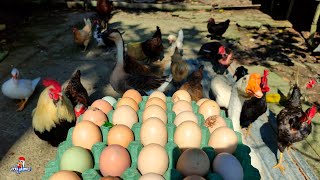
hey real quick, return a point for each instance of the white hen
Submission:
(22, 89)
(176, 42)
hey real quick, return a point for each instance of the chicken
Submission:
(148, 51)
(181, 69)
(240, 72)
(53, 115)
(104, 10)
(21, 89)
(176, 42)
(83, 36)
(130, 74)
(216, 52)
(294, 125)
(255, 107)
(75, 91)
(193, 84)
(79, 109)
(217, 30)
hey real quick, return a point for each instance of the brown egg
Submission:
(185, 116)
(95, 115)
(214, 122)
(103, 105)
(85, 134)
(194, 177)
(156, 101)
(158, 94)
(120, 134)
(223, 139)
(181, 106)
(129, 102)
(151, 176)
(209, 108)
(153, 158)
(188, 135)
(181, 95)
(65, 175)
(125, 115)
(134, 94)
(193, 161)
(109, 178)
(114, 160)
(154, 111)
(200, 101)
(153, 130)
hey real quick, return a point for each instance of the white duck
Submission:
(22, 89)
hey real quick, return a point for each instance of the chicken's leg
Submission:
(248, 132)
(279, 165)
(22, 104)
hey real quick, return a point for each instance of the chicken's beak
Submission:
(253, 87)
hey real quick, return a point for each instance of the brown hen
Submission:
(193, 84)
(83, 36)
(75, 91)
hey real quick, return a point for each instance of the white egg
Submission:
(222, 163)
(110, 100)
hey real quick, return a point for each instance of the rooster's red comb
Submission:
(222, 50)
(311, 112)
(56, 85)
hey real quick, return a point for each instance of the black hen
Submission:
(294, 125)
(217, 30)
(255, 107)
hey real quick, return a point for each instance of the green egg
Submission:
(76, 159)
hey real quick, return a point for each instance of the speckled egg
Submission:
(214, 122)
(154, 111)
(134, 94)
(209, 108)
(181, 95)
(125, 115)
(95, 115)
(103, 105)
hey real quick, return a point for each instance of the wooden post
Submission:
(313, 28)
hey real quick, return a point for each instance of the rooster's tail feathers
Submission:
(180, 36)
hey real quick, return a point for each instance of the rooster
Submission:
(148, 51)
(75, 91)
(83, 36)
(193, 84)
(216, 52)
(255, 107)
(79, 109)
(104, 10)
(53, 115)
(217, 30)
(294, 125)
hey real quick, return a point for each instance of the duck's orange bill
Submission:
(253, 87)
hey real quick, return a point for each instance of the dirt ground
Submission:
(42, 46)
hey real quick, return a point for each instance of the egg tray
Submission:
(134, 148)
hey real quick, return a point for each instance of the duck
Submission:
(129, 73)
(16, 88)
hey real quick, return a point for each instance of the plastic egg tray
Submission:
(132, 173)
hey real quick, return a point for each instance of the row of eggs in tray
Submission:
(153, 160)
